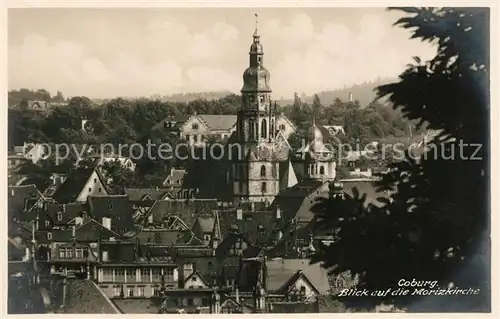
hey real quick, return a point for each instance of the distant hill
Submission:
(364, 93)
(190, 96)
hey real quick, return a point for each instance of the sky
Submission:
(105, 53)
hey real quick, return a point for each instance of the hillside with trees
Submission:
(437, 224)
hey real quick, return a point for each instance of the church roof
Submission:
(281, 271)
(218, 122)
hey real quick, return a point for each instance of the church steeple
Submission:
(256, 76)
(256, 175)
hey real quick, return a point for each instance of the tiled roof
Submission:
(40, 182)
(18, 199)
(138, 194)
(68, 192)
(68, 212)
(162, 236)
(137, 305)
(186, 210)
(93, 231)
(279, 271)
(117, 207)
(176, 177)
(218, 122)
(296, 201)
(203, 224)
(178, 120)
(85, 297)
(255, 226)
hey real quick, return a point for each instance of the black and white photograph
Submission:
(248, 160)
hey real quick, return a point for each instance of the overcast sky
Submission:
(140, 52)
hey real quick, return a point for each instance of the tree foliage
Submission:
(437, 225)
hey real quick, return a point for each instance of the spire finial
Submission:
(256, 33)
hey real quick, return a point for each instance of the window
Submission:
(47, 223)
(251, 127)
(119, 275)
(107, 274)
(259, 59)
(59, 216)
(100, 189)
(156, 274)
(321, 170)
(263, 128)
(95, 180)
(188, 267)
(145, 275)
(190, 301)
(195, 126)
(263, 171)
(130, 275)
(131, 292)
(62, 253)
(264, 187)
(79, 252)
(90, 189)
(187, 137)
(69, 253)
(282, 127)
(140, 292)
(209, 264)
(169, 274)
(303, 291)
(117, 291)
(193, 278)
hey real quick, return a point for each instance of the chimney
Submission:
(239, 214)
(252, 206)
(278, 212)
(350, 96)
(106, 222)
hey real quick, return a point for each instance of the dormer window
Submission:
(59, 216)
(49, 236)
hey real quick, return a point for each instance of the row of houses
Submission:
(146, 246)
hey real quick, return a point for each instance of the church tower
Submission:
(316, 160)
(256, 171)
